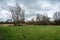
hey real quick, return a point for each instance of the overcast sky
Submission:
(31, 7)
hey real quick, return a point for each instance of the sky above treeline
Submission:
(31, 7)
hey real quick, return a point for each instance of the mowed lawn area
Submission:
(30, 33)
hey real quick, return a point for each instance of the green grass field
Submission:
(30, 33)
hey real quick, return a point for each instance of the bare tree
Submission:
(42, 19)
(16, 14)
(38, 17)
(32, 20)
(22, 16)
(56, 18)
(45, 19)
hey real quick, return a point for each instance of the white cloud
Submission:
(3, 15)
(10, 4)
(46, 5)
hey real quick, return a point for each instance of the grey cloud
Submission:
(30, 15)
(54, 1)
(30, 5)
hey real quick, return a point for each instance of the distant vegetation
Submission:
(18, 18)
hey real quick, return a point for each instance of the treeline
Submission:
(40, 20)
(18, 18)
(56, 22)
(35, 23)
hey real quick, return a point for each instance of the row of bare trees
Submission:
(18, 17)
(40, 20)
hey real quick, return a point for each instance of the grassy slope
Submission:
(30, 33)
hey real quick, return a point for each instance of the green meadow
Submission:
(30, 32)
